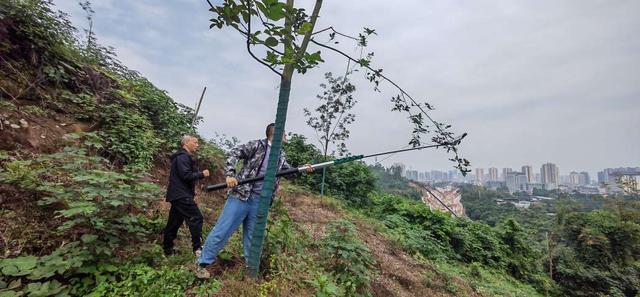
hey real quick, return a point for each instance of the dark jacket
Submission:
(182, 178)
(252, 154)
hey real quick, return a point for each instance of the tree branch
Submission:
(344, 81)
(402, 91)
(249, 42)
(334, 31)
(307, 36)
(247, 35)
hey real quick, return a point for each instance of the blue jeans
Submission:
(235, 211)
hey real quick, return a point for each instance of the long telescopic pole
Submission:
(195, 116)
(330, 163)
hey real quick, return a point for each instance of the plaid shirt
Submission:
(252, 154)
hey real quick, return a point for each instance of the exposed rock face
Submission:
(449, 196)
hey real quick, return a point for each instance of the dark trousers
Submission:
(183, 210)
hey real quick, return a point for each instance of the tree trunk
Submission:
(324, 169)
(257, 236)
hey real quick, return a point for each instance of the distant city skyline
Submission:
(536, 170)
(608, 180)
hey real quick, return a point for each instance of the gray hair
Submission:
(186, 138)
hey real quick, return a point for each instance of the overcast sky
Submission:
(530, 81)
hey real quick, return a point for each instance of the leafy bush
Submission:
(438, 236)
(129, 137)
(99, 209)
(353, 181)
(50, 33)
(208, 288)
(522, 257)
(325, 286)
(170, 119)
(599, 251)
(415, 238)
(82, 106)
(475, 242)
(211, 154)
(143, 280)
(348, 258)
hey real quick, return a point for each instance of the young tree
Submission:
(331, 117)
(284, 33)
(91, 37)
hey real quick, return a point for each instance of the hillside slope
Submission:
(84, 143)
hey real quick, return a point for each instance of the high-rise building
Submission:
(601, 177)
(480, 175)
(549, 174)
(528, 172)
(493, 174)
(574, 178)
(504, 173)
(438, 175)
(584, 178)
(538, 181)
(412, 174)
(516, 181)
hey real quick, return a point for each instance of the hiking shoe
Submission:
(202, 272)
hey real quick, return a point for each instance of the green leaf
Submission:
(43, 289)
(306, 27)
(275, 11)
(80, 207)
(271, 58)
(115, 202)
(88, 238)
(271, 41)
(15, 284)
(18, 266)
(10, 294)
(108, 267)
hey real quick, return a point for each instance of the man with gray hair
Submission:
(181, 193)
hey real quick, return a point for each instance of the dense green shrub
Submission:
(169, 119)
(438, 236)
(143, 280)
(99, 209)
(129, 137)
(352, 182)
(347, 258)
(599, 251)
(522, 257)
(50, 34)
